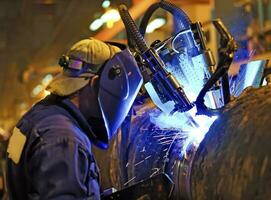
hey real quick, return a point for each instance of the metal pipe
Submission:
(232, 162)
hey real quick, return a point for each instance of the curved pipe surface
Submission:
(232, 162)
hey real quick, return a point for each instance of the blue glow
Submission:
(165, 107)
(254, 74)
(195, 135)
(250, 74)
(191, 127)
(191, 73)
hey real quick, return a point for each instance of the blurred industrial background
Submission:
(35, 33)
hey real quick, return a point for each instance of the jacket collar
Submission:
(74, 112)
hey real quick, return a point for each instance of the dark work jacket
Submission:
(56, 162)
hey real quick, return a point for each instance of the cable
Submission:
(184, 21)
(132, 29)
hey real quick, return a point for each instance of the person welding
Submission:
(49, 152)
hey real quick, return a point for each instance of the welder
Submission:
(49, 152)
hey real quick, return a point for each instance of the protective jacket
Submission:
(56, 161)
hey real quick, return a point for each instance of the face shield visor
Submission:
(120, 82)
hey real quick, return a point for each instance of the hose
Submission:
(184, 21)
(201, 107)
(132, 29)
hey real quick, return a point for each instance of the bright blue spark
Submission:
(191, 73)
(193, 132)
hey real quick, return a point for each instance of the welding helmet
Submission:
(119, 82)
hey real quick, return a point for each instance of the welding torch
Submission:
(226, 50)
(153, 68)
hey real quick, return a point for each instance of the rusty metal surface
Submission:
(233, 161)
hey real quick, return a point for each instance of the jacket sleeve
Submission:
(61, 169)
